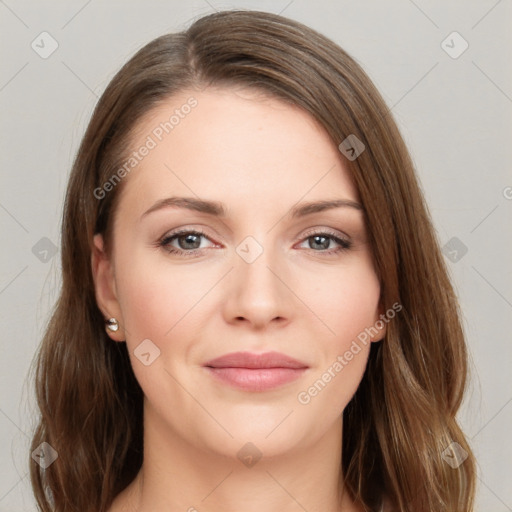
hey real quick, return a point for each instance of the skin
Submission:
(259, 157)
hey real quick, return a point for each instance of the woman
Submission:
(254, 313)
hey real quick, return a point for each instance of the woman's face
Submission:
(265, 275)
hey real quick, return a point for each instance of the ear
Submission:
(380, 326)
(105, 289)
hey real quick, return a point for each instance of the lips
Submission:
(255, 372)
(260, 361)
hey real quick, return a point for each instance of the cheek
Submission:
(152, 297)
(345, 300)
(349, 310)
(347, 303)
(157, 302)
(154, 308)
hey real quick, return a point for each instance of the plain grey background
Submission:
(453, 107)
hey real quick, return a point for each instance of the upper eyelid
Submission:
(328, 231)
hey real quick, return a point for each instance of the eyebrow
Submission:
(217, 209)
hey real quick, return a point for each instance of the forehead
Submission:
(237, 146)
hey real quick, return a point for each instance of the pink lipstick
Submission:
(255, 372)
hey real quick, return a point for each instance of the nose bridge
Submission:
(255, 259)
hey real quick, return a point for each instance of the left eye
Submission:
(323, 241)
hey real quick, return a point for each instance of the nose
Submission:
(257, 293)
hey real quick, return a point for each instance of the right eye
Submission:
(185, 242)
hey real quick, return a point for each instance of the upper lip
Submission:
(248, 360)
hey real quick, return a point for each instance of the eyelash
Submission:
(164, 242)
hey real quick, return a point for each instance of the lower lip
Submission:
(258, 379)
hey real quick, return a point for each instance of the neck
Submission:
(179, 476)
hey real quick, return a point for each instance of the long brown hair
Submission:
(402, 418)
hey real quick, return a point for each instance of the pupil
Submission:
(189, 239)
(322, 245)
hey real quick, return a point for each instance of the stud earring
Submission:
(112, 325)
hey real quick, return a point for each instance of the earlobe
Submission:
(381, 332)
(105, 289)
